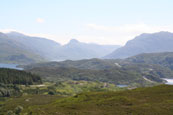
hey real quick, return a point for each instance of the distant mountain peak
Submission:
(15, 33)
(145, 43)
(2, 34)
(156, 33)
(42, 48)
(161, 32)
(72, 41)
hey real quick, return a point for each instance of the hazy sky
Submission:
(99, 21)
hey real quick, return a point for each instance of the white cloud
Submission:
(40, 20)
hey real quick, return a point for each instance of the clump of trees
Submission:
(11, 79)
(7, 90)
(10, 76)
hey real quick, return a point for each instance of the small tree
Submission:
(51, 92)
(18, 110)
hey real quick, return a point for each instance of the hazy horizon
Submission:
(101, 21)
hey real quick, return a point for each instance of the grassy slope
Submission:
(38, 95)
(69, 88)
(26, 102)
(156, 100)
(164, 59)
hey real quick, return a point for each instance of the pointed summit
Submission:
(73, 41)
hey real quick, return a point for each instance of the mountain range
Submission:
(145, 43)
(75, 50)
(22, 49)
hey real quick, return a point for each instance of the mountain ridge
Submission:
(48, 49)
(145, 43)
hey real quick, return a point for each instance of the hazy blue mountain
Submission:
(76, 50)
(41, 46)
(145, 43)
(20, 48)
(52, 50)
(14, 52)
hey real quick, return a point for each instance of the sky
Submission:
(91, 21)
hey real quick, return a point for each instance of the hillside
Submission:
(116, 76)
(94, 64)
(75, 50)
(145, 43)
(112, 71)
(22, 49)
(164, 59)
(40, 46)
(14, 52)
(141, 101)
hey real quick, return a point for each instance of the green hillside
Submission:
(113, 75)
(141, 101)
(95, 64)
(164, 59)
(112, 71)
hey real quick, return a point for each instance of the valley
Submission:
(92, 85)
(67, 86)
(86, 57)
